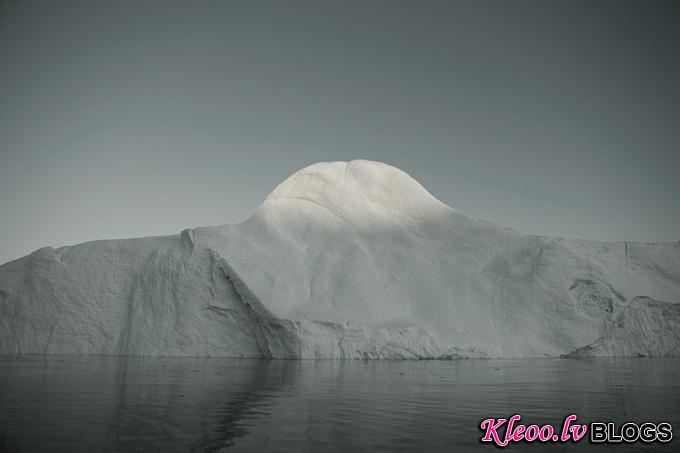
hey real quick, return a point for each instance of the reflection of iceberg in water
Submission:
(227, 420)
(87, 404)
(173, 404)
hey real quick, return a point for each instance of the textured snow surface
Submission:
(346, 260)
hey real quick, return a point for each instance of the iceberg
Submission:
(346, 260)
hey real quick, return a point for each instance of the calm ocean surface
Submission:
(97, 403)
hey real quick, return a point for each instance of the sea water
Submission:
(107, 403)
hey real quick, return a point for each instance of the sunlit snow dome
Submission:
(352, 187)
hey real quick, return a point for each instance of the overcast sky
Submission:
(133, 119)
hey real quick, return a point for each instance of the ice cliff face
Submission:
(346, 260)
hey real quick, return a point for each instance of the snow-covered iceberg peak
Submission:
(357, 191)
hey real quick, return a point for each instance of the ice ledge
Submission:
(644, 328)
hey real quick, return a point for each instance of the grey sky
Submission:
(142, 118)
